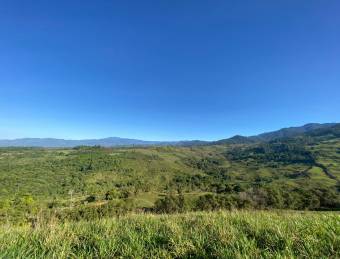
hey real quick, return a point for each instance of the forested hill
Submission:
(294, 131)
(305, 130)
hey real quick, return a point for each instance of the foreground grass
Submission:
(238, 234)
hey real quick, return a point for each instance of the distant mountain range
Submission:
(105, 142)
(116, 141)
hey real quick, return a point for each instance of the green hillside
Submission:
(229, 199)
(85, 182)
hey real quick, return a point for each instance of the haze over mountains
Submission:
(116, 141)
(105, 142)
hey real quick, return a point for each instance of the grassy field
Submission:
(236, 234)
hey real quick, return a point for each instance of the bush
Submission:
(111, 194)
(117, 194)
(91, 198)
(170, 204)
(215, 202)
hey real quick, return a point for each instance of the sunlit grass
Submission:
(236, 234)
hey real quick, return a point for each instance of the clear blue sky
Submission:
(166, 70)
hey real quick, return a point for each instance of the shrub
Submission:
(91, 198)
(170, 204)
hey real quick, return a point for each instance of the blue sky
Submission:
(166, 70)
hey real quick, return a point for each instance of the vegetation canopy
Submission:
(99, 187)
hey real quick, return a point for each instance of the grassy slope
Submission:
(237, 234)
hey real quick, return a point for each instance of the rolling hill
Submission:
(301, 171)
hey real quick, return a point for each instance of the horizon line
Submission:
(152, 140)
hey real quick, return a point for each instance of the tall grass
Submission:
(237, 234)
